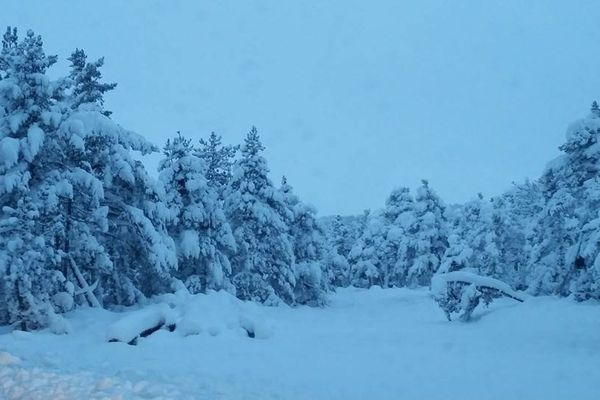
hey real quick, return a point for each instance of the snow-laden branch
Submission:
(460, 292)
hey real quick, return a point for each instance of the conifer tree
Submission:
(565, 247)
(263, 268)
(218, 159)
(309, 245)
(431, 238)
(142, 254)
(84, 79)
(29, 188)
(201, 232)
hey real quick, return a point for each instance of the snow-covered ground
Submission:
(368, 344)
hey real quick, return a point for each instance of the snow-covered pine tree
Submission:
(399, 212)
(85, 78)
(263, 268)
(565, 254)
(308, 241)
(340, 238)
(135, 236)
(367, 257)
(50, 200)
(386, 248)
(218, 159)
(520, 210)
(431, 238)
(29, 264)
(201, 232)
(481, 241)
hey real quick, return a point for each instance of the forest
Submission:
(84, 223)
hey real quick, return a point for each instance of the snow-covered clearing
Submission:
(368, 344)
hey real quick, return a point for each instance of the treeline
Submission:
(83, 223)
(542, 236)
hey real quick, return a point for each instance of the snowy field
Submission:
(368, 344)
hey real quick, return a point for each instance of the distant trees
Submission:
(403, 244)
(541, 236)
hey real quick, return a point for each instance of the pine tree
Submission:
(30, 264)
(566, 245)
(481, 241)
(430, 238)
(218, 159)
(400, 247)
(367, 257)
(341, 236)
(134, 236)
(263, 268)
(308, 241)
(84, 79)
(385, 251)
(568, 186)
(202, 234)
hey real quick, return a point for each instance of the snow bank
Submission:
(216, 313)
(213, 314)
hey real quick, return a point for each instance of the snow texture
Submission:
(377, 344)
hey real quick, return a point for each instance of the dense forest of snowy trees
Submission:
(83, 223)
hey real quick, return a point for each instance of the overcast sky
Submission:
(352, 98)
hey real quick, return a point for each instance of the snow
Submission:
(9, 151)
(8, 359)
(376, 344)
(189, 243)
(35, 139)
(132, 325)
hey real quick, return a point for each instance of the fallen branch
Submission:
(84, 288)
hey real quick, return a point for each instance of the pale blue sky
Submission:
(352, 98)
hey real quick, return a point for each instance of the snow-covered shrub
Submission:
(309, 284)
(460, 292)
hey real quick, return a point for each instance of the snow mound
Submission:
(212, 314)
(217, 313)
(141, 323)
